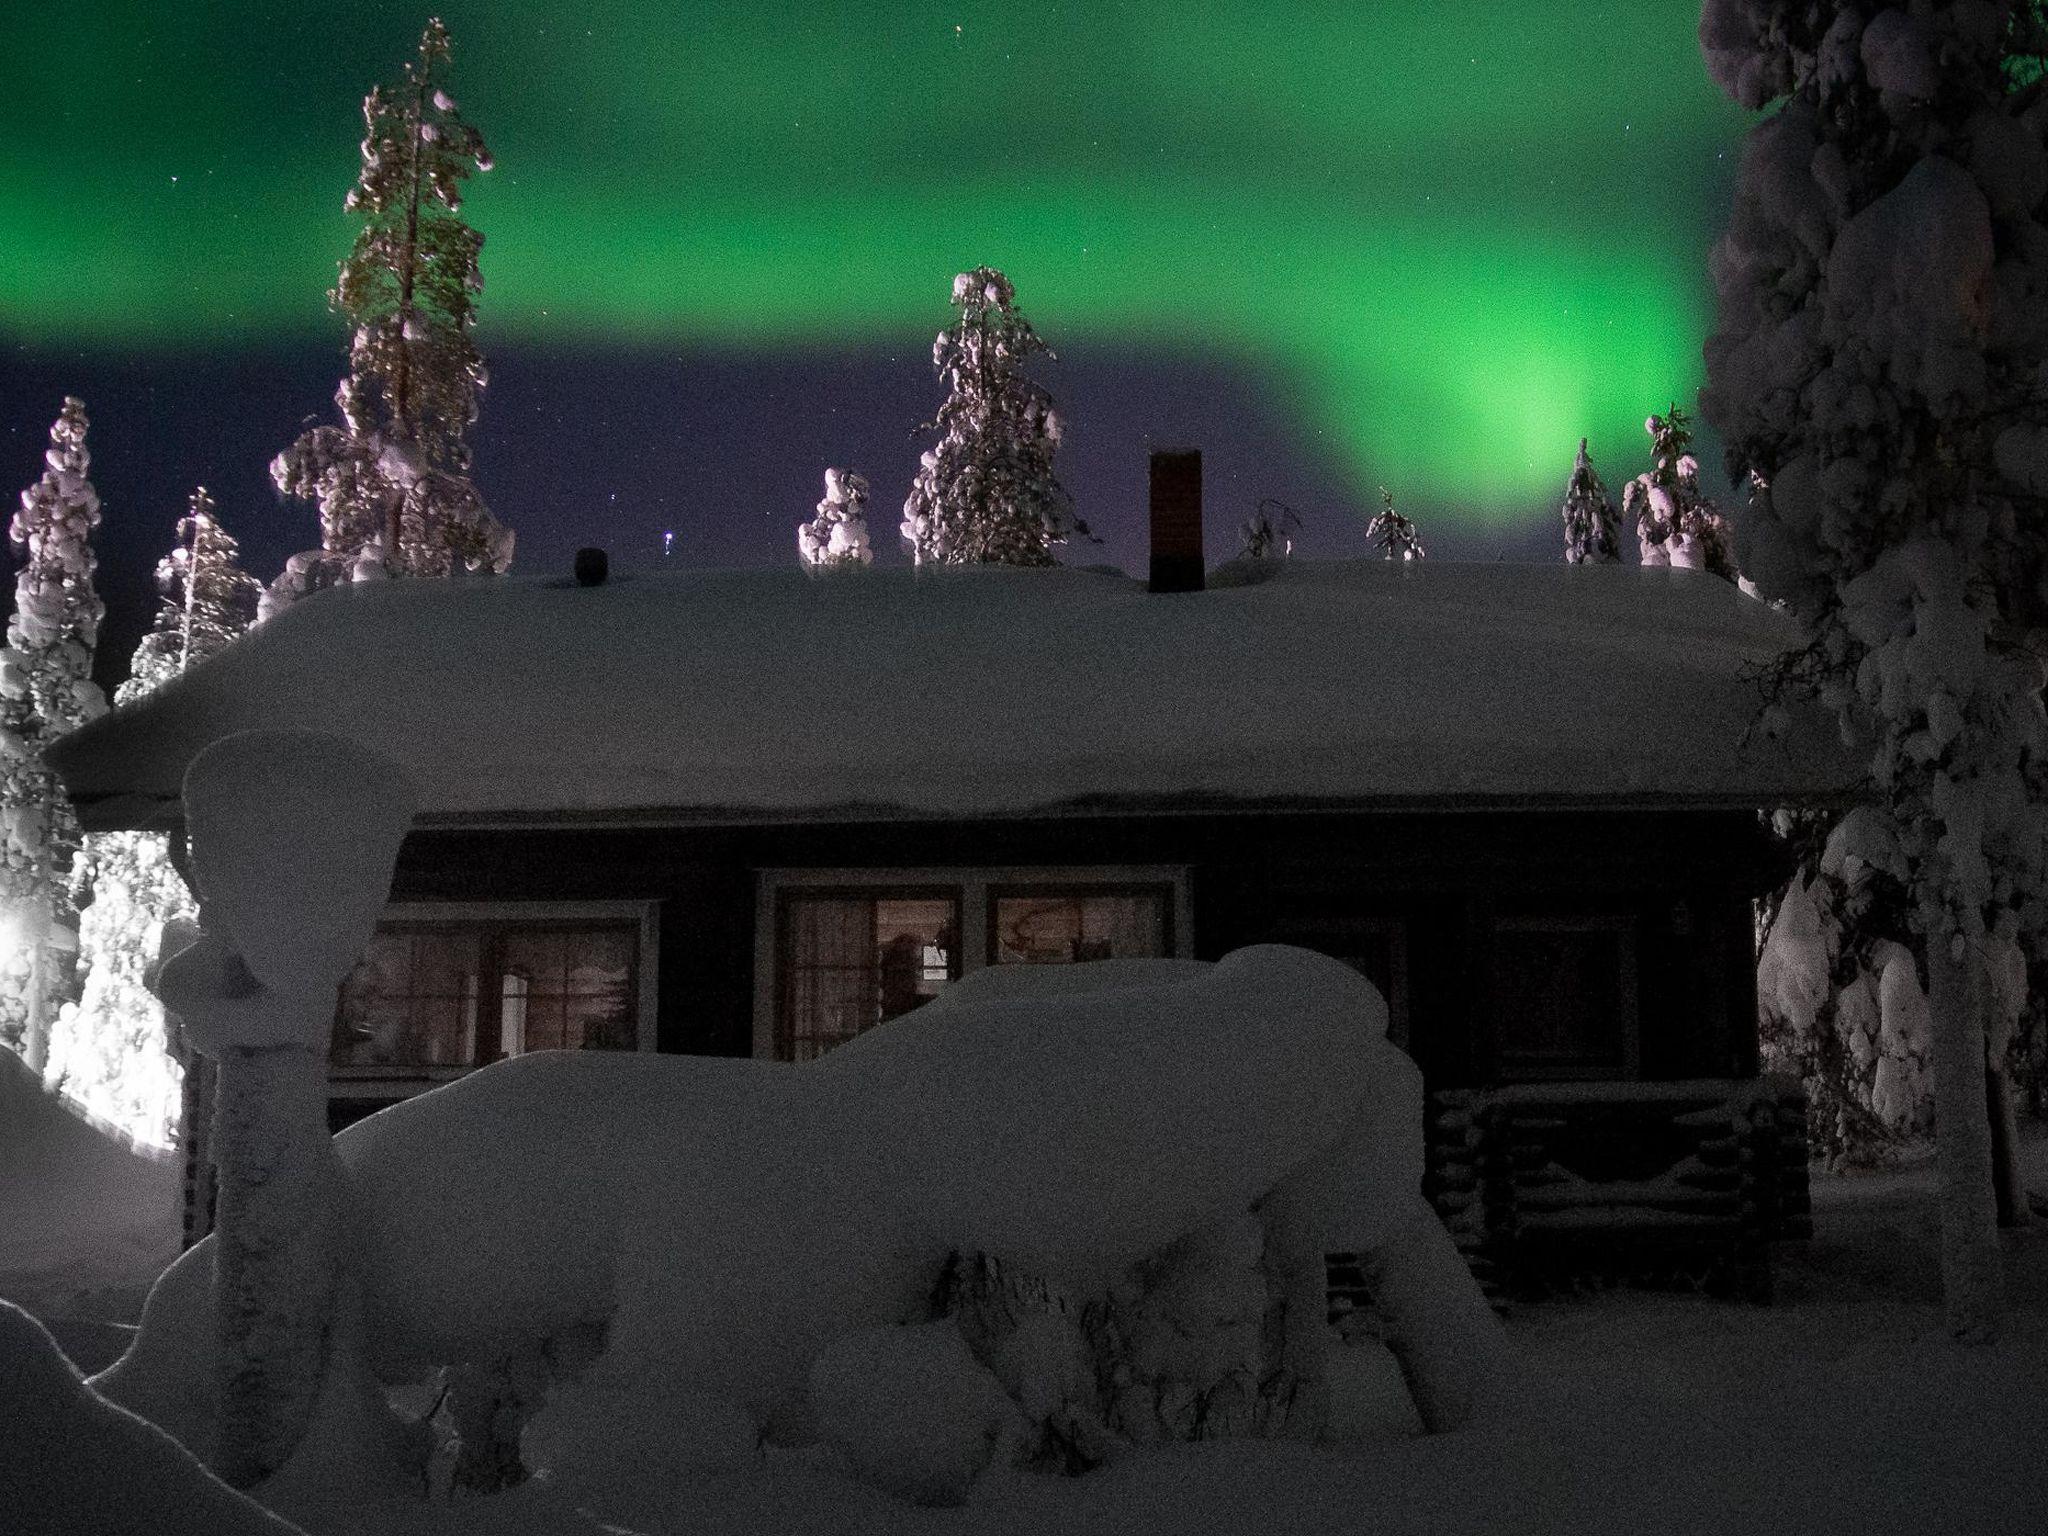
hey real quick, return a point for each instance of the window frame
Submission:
(783, 1030)
(977, 887)
(396, 1080)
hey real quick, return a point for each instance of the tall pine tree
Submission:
(1589, 528)
(46, 689)
(392, 481)
(986, 493)
(1878, 367)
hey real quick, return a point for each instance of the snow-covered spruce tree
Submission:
(110, 1050)
(1588, 516)
(838, 534)
(1268, 533)
(1393, 534)
(1881, 362)
(986, 492)
(46, 689)
(1675, 523)
(392, 481)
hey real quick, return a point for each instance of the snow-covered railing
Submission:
(1687, 1180)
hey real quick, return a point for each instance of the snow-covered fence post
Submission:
(293, 838)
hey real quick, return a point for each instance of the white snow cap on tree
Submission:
(985, 493)
(1269, 532)
(1393, 533)
(1589, 528)
(838, 534)
(1879, 364)
(1675, 523)
(397, 469)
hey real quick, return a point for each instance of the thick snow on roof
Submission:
(985, 691)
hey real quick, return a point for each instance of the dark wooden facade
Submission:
(1446, 884)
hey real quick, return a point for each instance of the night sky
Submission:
(1429, 244)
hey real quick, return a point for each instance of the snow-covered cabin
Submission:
(759, 811)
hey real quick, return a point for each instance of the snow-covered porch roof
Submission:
(768, 694)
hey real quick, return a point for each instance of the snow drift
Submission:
(727, 1221)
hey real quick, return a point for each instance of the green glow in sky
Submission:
(1464, 233)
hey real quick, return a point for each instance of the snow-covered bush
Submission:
(46, 689)
(1588, 515)
(1393, 533)
(1838, 991)
(985, 493)
(1881, 366)
(1675, 523)
(394, 476)
(838, 534)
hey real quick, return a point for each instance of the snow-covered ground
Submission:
(1841, 1408)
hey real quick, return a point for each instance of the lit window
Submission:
(852, 960)
(1062, 927)
(429, 995)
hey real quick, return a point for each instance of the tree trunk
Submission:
(2008, 1178)
(1971, 1278)
(274, 1262)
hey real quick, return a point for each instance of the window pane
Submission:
(571, 989)
(411, 1001)
(459, 993)
(853, 961)
(1061, 928)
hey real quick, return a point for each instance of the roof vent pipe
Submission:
(592, 565)
(1177, 520)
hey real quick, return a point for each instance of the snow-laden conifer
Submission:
(110, 1050)
(46, 689)
(1675, 523)
(1393, 534)
(1268, 534)
(1589, 527)
(392, 481)
(1880, 364)
(985, 493)
(838, 533)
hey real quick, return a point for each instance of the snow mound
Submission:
(733, 1223)
(86, 1217)
(76, 1463)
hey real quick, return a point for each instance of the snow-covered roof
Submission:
(766, 694)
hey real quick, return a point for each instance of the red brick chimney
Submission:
(1177, 520)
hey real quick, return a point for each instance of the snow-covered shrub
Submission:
(1838, 992)
(1675, 523)
(1589, 526)
(395, 473)
(985, 493)
(838, 534)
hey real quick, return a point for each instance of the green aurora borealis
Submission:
(1462, 233)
